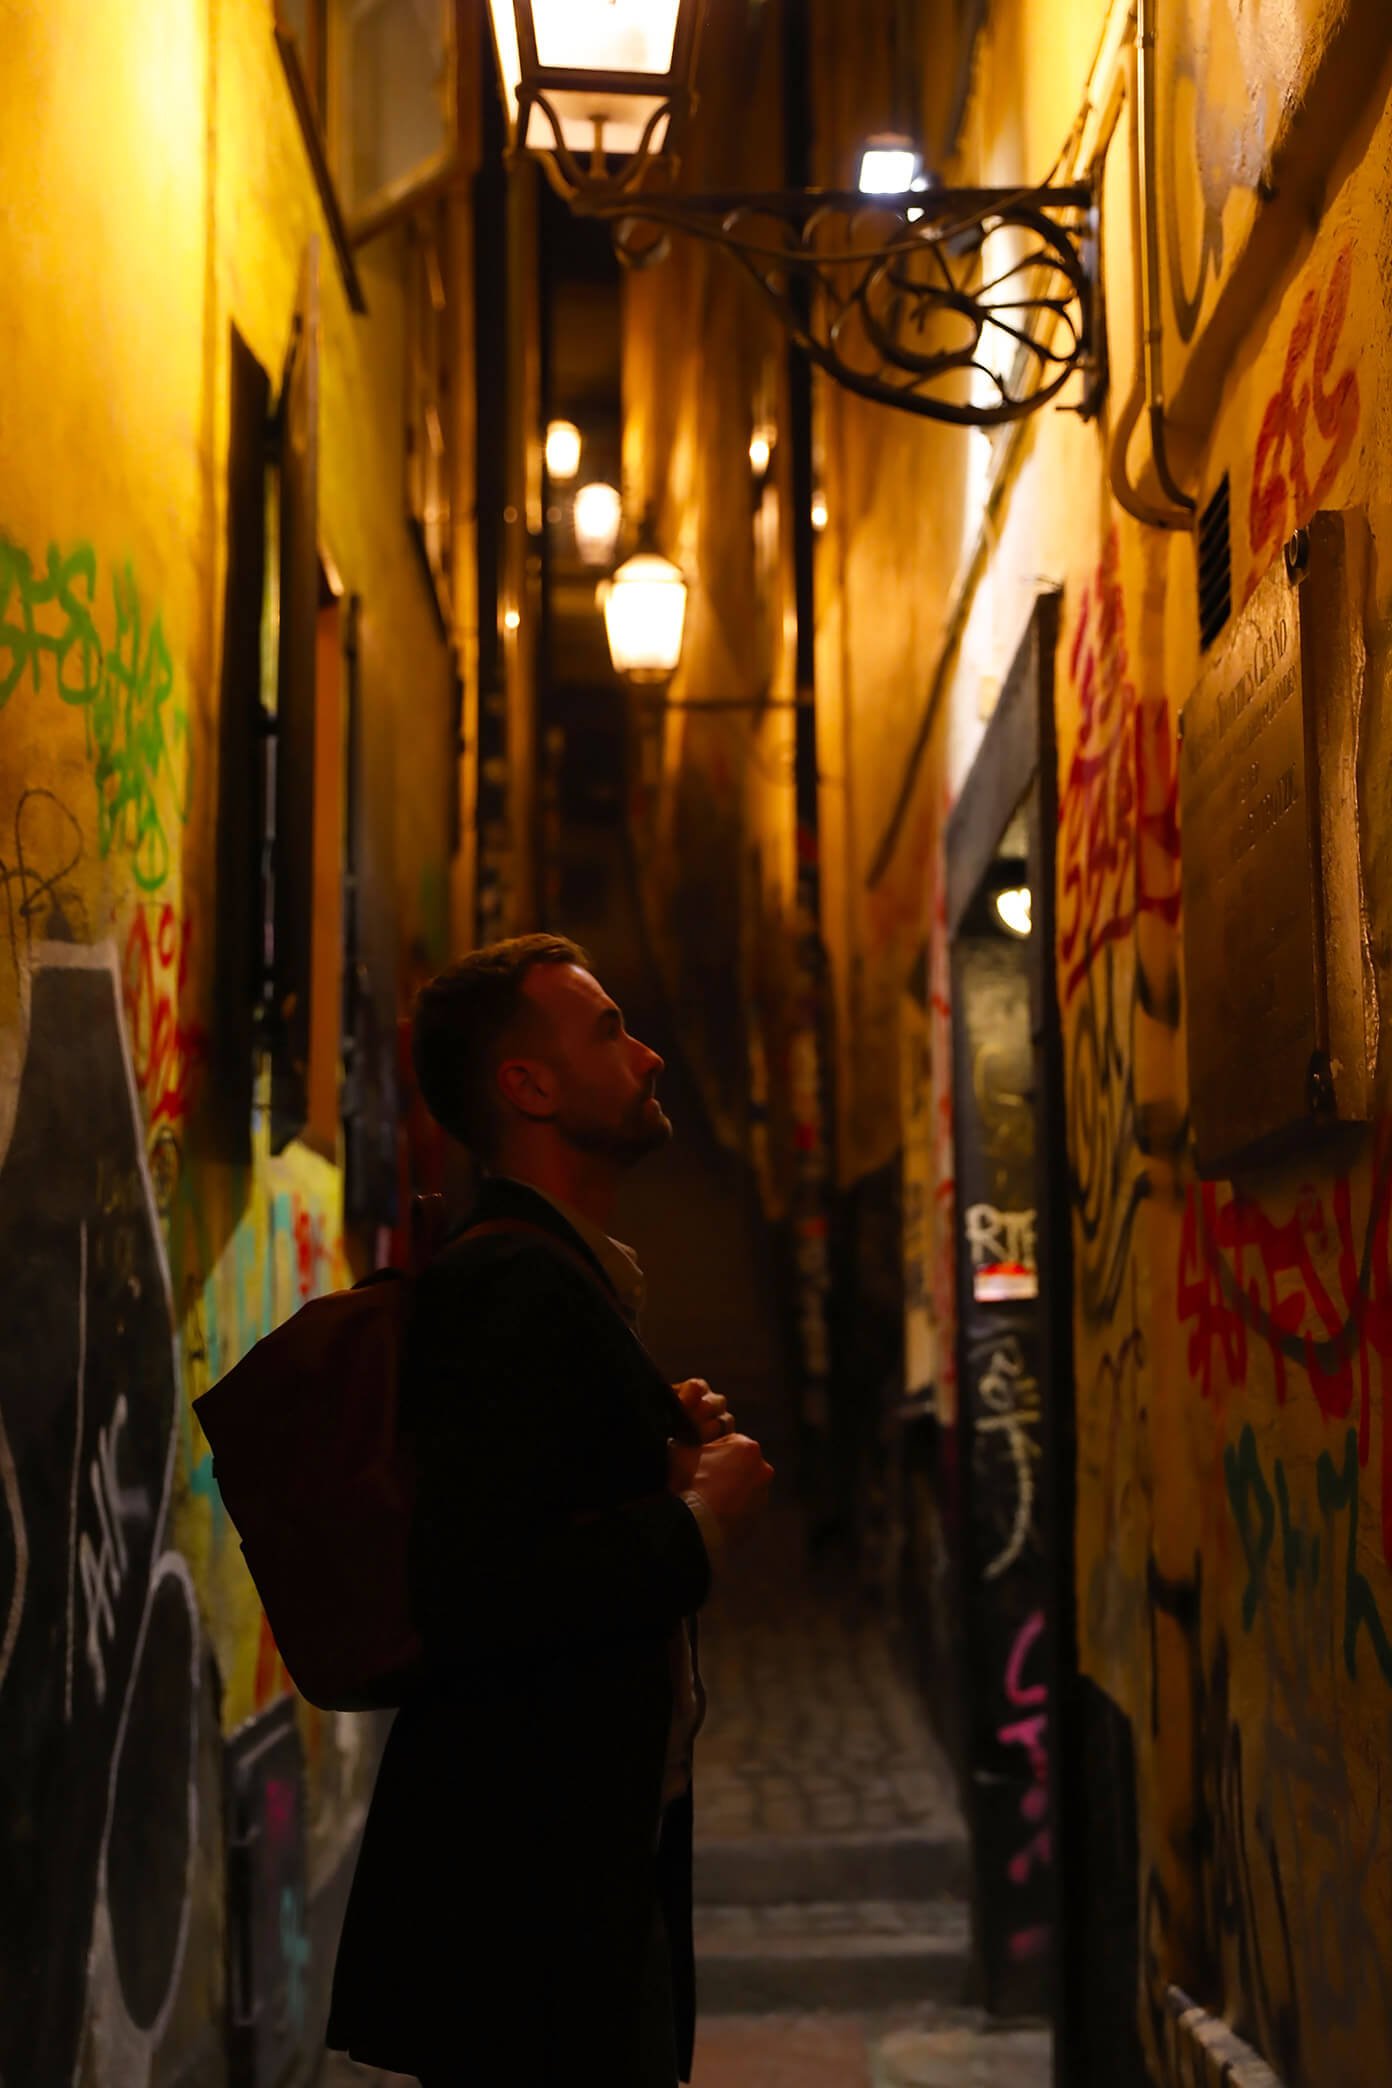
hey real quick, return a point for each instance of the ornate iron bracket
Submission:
(970, 306)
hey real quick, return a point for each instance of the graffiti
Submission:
(1008, 1416)
(1000, 1236)
(1283, 493)
(168, 1053)
(136, 735)
(1029, 1732)
(1119, 806)
(41, 903)
(101, 1647)
(1313, 1289)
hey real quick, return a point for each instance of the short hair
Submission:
(462, 1021)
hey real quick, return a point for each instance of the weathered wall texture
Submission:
(1232, 1339)
(1232, 1576)
(157, 192)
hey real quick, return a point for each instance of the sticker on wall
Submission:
(1001, 1283)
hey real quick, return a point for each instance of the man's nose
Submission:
(652, 1062)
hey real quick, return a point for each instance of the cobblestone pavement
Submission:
(810, 1728)
(825, 2051)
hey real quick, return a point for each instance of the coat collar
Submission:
(500, 1197)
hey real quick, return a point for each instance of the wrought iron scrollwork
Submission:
(971, 306)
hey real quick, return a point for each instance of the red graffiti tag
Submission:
(1283, 495)
(1119, 810)
(312, 1254)
(167, 1054)
(1311, 1292)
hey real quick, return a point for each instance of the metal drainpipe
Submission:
(1148, 390)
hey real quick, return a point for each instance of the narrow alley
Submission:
(864, 534)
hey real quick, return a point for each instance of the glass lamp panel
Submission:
(598, 515)
(645, 617)
(509, 56)
(623, 117)
(605, 36)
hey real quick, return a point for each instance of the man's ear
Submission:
(528, 1085)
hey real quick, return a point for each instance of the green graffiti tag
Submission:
(137, 737)
(1255, 1512)
(1340, 1490)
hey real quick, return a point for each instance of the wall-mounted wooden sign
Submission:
(1274, 946)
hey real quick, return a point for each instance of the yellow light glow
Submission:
(819, 512)
(889, 166)
(1013, 909)
(598, 519)
(562, 450)
(512, 618)
(606, 36)
(760, 450)
(645, 617)
(509, 57)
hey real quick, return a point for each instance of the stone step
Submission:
(780, 1870)
(864, 1954)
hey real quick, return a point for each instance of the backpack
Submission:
(319, 1480)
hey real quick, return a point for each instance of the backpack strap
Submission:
(492, 1228)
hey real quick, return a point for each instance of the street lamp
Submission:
(598, 520)
(563, 446)
(607, 78)
(645, 615)
(904, 298)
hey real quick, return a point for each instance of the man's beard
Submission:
(645, 1129)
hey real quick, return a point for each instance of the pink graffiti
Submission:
(1031, 1733)
(1119, 809)
(280, 1812)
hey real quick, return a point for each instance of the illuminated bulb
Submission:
(512, 619)
(1013, 909)
(760, 450)
(644, 616)
(562, 450)
(598, 519)
(889, 166)
(819, 511)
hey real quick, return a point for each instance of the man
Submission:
(521, 1913)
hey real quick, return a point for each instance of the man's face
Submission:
(603, 1081)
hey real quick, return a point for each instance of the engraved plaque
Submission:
(1268, 817)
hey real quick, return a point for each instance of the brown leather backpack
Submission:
(319, 1480)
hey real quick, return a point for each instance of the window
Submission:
(374, 82)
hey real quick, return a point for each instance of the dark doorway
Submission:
(1054, 1884)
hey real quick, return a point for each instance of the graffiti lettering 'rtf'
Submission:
(123, 684)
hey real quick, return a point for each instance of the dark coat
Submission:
(502, 1906)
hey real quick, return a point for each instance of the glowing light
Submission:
(889, 166)
(512, 619)
(1013, 909)
(760, 450)
(645, 617)
(598, 520)
(819, 512)
(629, 46)
(562, 450)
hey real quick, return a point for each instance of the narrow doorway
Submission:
(1013, 1333)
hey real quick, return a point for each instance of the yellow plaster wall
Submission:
(157, 192)
(1232, 1579)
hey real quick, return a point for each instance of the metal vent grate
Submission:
(1215, 567)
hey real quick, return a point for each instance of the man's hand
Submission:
(732, 1479)
(709, 1410)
